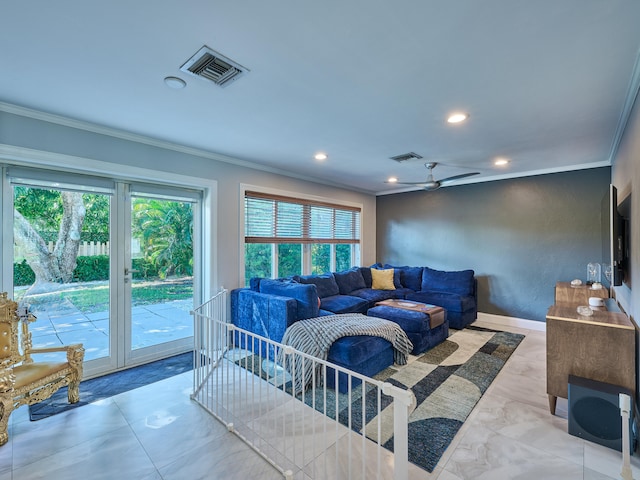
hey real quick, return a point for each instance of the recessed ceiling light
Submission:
(175, 82)
(501, 162)
(320, 156)
(392, 180)
(457, 117)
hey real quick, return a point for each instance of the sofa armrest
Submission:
(263, 314)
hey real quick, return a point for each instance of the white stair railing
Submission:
(320, 433)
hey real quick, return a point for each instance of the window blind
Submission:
(41, 178)
(277, 219)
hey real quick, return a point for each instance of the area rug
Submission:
(112, 384)
(447, 382)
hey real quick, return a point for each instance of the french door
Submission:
(109, 264)
(159, 258)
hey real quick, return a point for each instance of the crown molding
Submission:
(507, 176)
(153, 142)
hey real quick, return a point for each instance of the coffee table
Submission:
(436, 314)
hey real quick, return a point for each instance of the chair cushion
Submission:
(27, 374)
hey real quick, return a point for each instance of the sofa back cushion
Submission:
(305, 295)
(326, 284)
(254, 283)
(366, 274)
(349, 280)
(410, 277)
(460, 282)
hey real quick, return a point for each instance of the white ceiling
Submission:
(547, 83)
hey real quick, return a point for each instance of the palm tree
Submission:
(165, 231)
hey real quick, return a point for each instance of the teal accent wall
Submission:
(519, 235)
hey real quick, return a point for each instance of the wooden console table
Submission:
(568, 295)
(600, 347)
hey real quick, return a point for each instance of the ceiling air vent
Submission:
(406, 156)
(212, 66)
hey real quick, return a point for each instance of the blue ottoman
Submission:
(362, 354)
(417, 326)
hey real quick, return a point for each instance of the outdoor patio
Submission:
(61, 323)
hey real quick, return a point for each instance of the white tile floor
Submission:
(157, 432)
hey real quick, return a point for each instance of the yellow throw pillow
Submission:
(382, 279)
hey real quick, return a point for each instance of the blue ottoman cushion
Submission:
(362, 354)
(417, 326)
(409, 320)
(357, 350)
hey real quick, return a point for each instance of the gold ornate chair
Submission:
(23, 381)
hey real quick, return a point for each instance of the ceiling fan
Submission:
(431, 184)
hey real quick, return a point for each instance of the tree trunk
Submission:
(43, 263)
(58, 266)
(68, 243)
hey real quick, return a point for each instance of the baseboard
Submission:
(512, 322)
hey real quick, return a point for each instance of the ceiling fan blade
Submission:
(409, 183)
(457, 177)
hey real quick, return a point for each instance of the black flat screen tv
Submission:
(613, 240)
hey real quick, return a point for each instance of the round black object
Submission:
(598, 418)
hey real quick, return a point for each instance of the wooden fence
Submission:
(86, 249)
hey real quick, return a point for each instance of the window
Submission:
(289, 236)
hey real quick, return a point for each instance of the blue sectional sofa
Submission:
(268, 306)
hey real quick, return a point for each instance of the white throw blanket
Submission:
(314, 336)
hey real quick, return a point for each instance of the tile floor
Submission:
(157, 432)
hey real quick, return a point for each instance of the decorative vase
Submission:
(593, 273)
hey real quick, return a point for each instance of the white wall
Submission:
(25, 130)
(626, 178)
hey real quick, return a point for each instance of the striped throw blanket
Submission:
(314, 336)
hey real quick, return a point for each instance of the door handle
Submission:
(128, 272)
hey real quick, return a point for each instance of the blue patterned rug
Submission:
(447, 382)
(112, 384)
